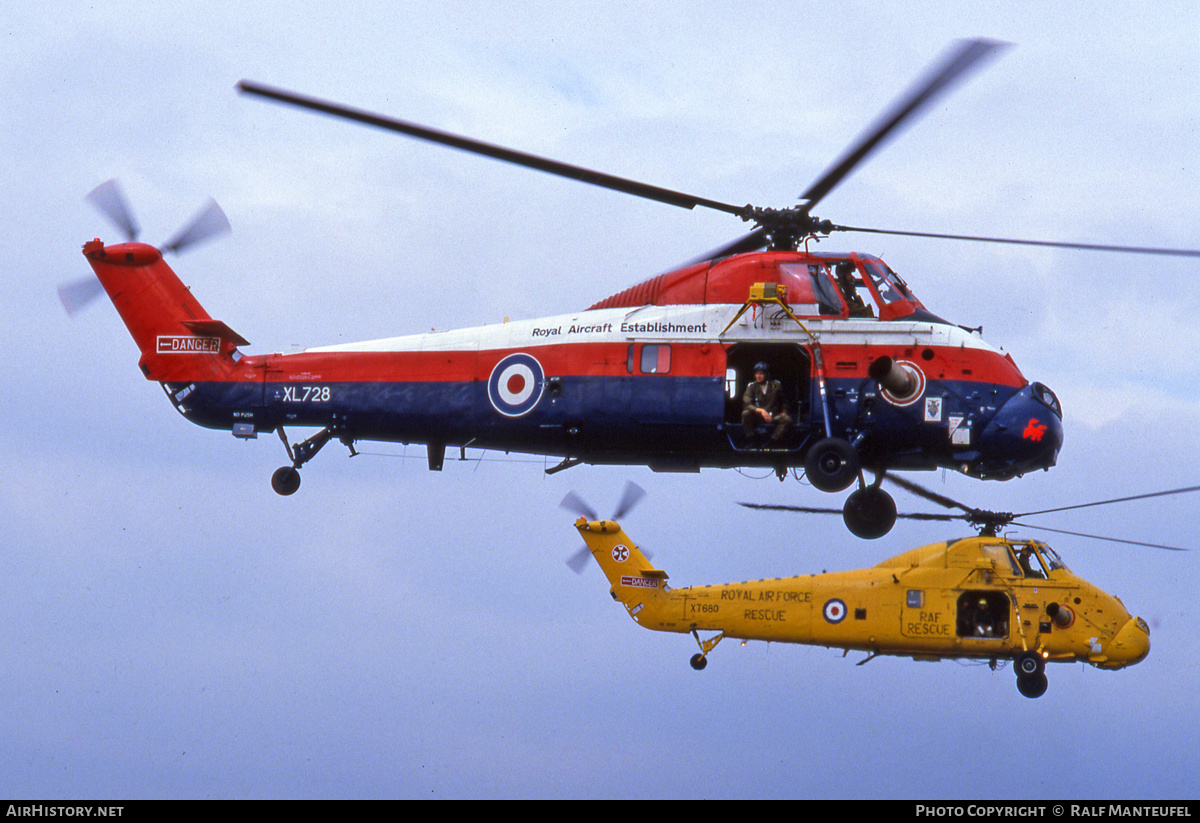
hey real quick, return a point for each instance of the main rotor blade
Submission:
(109, 200)
(932, 496)
(507, 155)
(1103, 537)
(1018, 242)
(1010, 519)
(964, 56)
(753, 241)
(781, 507)
(1167, 493)
(209, 222)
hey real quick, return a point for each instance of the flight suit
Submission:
(767, 395)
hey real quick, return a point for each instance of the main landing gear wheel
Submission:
(1033, 685)
(831, 464)
(869, 513)
(1028, 664)
(1031, 674)
(699, 661)
(285, 480)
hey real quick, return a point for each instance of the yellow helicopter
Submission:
(986, 597)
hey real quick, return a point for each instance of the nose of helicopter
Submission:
(1025, 434)
(1130, 645)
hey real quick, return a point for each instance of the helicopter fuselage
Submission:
(651, 377)
(982, 597)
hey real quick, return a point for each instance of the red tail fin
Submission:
(178, 340)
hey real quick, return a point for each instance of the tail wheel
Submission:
(831, 464)
(699, 661)
(285, 480)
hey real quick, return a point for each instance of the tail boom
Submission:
(178, 340)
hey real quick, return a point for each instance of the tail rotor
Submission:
(111, 202)
(630, 497)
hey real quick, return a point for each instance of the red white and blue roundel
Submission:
(835, 611)
(516, 384)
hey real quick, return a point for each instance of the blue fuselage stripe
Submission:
(611, 419)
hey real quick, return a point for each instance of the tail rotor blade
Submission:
(108, 199)
(578, 561)
(632, 494)
(76, 295)
(209, 222)
(574, 503)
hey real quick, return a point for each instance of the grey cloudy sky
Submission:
(175, 629)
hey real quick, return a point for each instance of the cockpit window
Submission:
(827, 296)
(1002, 557)
(1031, 565)
(854, 290)
(810, 284)
(889, 285)
(1050, 557)
(1037, 560)
(1047, 397)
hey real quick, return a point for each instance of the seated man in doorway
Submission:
(762, 402)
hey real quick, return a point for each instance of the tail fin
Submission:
(177, 338)
(627, 569)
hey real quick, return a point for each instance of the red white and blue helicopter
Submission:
(650, 376)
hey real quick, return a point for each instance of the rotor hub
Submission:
(786, 228)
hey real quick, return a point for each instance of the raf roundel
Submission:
(516, 385)
(835, 611)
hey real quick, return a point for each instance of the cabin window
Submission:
(916, 599)
(656, 358)
(732, 390)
